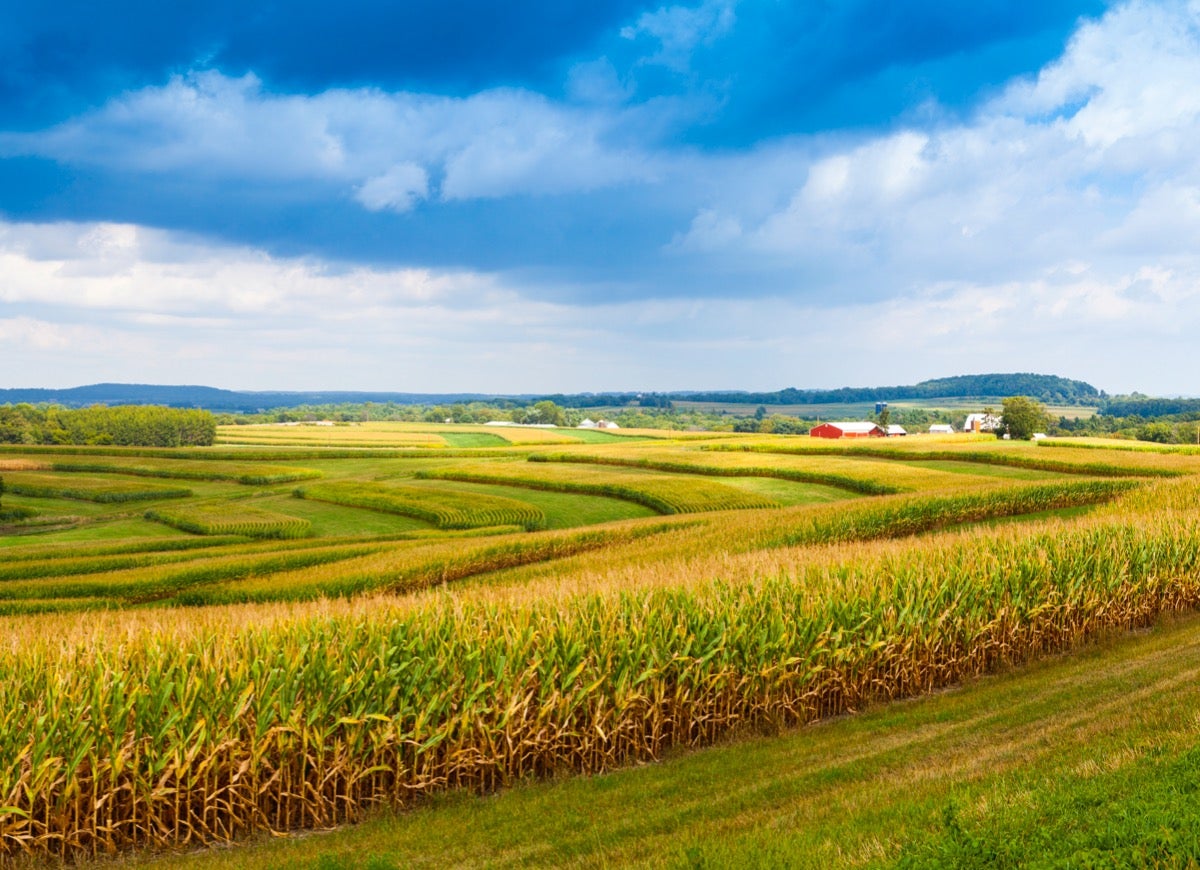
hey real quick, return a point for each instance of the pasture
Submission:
(298, 628)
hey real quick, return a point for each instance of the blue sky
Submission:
(573, 196)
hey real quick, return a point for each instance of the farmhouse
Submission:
(981, 423)
(588, 423)
(941, 429)
(894, 430)
(846, 430)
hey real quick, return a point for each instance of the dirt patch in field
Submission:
(23, 465)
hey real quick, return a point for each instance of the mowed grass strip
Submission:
(230, 518)
(445, 508)
(95, 489)
(665, 493)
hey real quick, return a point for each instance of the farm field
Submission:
(218, 643)
(410, 435)
(1032, 756)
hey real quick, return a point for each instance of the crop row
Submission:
(86, 489)
(1123, 446)
(159, 582)
(251, 475)
(386, 565)
(897, 518)
(841, 481)
(445, 508)
(109, 743)
(230, 518)
(661, 493)
(983, 457)
(424, 564)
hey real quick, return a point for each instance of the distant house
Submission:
(981, 423)
(1038, 436)
(607, 424)
(846, 430)
(941, 429)
(587, 423)
(894, 430)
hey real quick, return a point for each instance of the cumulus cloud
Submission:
(1086, 161)
(152, 273)
(1058, 220)
(382, 147)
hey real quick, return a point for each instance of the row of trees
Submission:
(124, 425)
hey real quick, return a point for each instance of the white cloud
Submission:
(152, 272)
(398, 189)
(1093, 160)
(380, 147)
(680, 29)
(1057, 226)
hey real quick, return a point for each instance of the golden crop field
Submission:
(465, 617)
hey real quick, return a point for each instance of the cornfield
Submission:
(661, 493)
(340, 673)
(222, 518)
(254, 475)
(445, 508)
(675, 465)
(214, 734)
(87, 489)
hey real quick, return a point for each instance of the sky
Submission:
(569, 196)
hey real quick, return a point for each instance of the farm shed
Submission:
(896, 430)
(941, 429)
(846, 430)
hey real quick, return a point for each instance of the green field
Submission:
(301, 636)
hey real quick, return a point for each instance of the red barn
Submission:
(846, 430)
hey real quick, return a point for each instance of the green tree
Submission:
(1021, 416)
(546, 412)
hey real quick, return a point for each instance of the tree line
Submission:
(123, 425)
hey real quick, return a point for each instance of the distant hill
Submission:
(215, 399)
(1046, 388)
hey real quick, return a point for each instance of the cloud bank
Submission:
(600, 215)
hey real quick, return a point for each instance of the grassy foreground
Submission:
(1091, 760)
